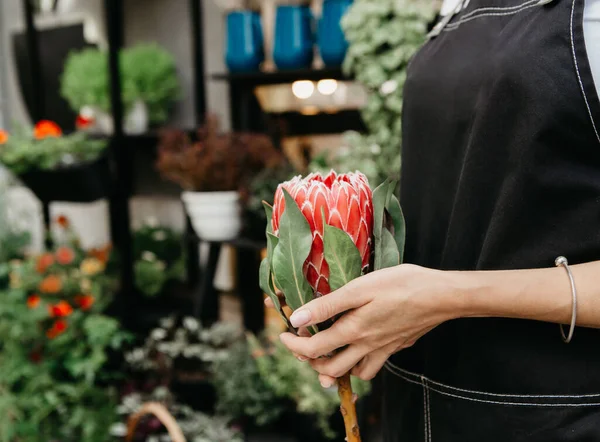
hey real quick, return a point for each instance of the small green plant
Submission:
(46, 147)
(148, 73)
(159, 257)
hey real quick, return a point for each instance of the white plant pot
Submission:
(136, 120)
(215, 216)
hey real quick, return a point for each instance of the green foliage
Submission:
(153, 72)
(342, 256)
(148, 73)
(388, 226)
(295, 241)
(242, 392)
(382, 35)
(22, 152)
(159, 258)
(260, 377)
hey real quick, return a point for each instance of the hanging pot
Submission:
(244, 36)
(82, 183)
(294, 40)
(331, 40)
(215, 216)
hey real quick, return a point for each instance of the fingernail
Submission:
(327, 383)
(300, 318)
(302, 359)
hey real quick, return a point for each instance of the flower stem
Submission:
(348, 408)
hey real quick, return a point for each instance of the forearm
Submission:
(540, 294)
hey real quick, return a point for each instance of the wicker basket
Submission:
(162, 414)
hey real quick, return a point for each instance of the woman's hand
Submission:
(384, 312)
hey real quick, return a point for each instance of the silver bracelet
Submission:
(561, 261)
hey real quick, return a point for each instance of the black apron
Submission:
(501, 170)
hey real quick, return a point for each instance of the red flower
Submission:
(60, 310)
(82, 122)
(51, 284)
(64, 255)
(3, 136)
(347, 202)
(62, 221)
(57, 329)
(45, 128)
(33, 301)
(85, 302)
(44, 261)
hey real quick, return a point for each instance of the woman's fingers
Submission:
(269, 301)
(342, 362)
(318, 345)
(326, 381)
(370, 365)
(326, 307)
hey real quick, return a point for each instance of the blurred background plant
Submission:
(383, 35)
(55, 347)
(214, 161)
(46, 147)
(148, 73)
(195, 426)
(159, 257)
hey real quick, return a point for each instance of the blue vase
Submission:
(331, 40)
(293, 46)
(244, 50)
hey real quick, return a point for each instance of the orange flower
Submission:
(57, 329)
(64, 255)
(44, 261)
(62, 221)
(85, 302)
(101, 254)
(3, 136)
(51, 284)
(45, 128)
(33, 301)
(63, 308)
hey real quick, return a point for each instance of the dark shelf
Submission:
(252, 79)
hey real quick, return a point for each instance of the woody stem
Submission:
(348, 408)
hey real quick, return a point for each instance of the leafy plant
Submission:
(148, 73)
(27, 149)
(383, 35)
(184, 340)
(195, 426)
(159, 257)
(261, 377)
(55, 347)
(214, 161)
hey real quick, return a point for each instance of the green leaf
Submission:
(380, 200)
(266, 284)
(341, 255)
(395, 211)
(269, 214)
(390, 256)
(295, 240)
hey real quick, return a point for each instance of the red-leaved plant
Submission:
(325, 232)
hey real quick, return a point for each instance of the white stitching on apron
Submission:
(587, 104)
(425, 412)
(491, 9)
(516, 404)
(407, 375)
(455, 26)
(428, 410)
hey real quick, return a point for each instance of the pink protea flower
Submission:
(347, 201)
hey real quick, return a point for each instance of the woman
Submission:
(501, 175)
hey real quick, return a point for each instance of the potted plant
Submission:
(149, 86)
(211, 169)
(55, 166)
